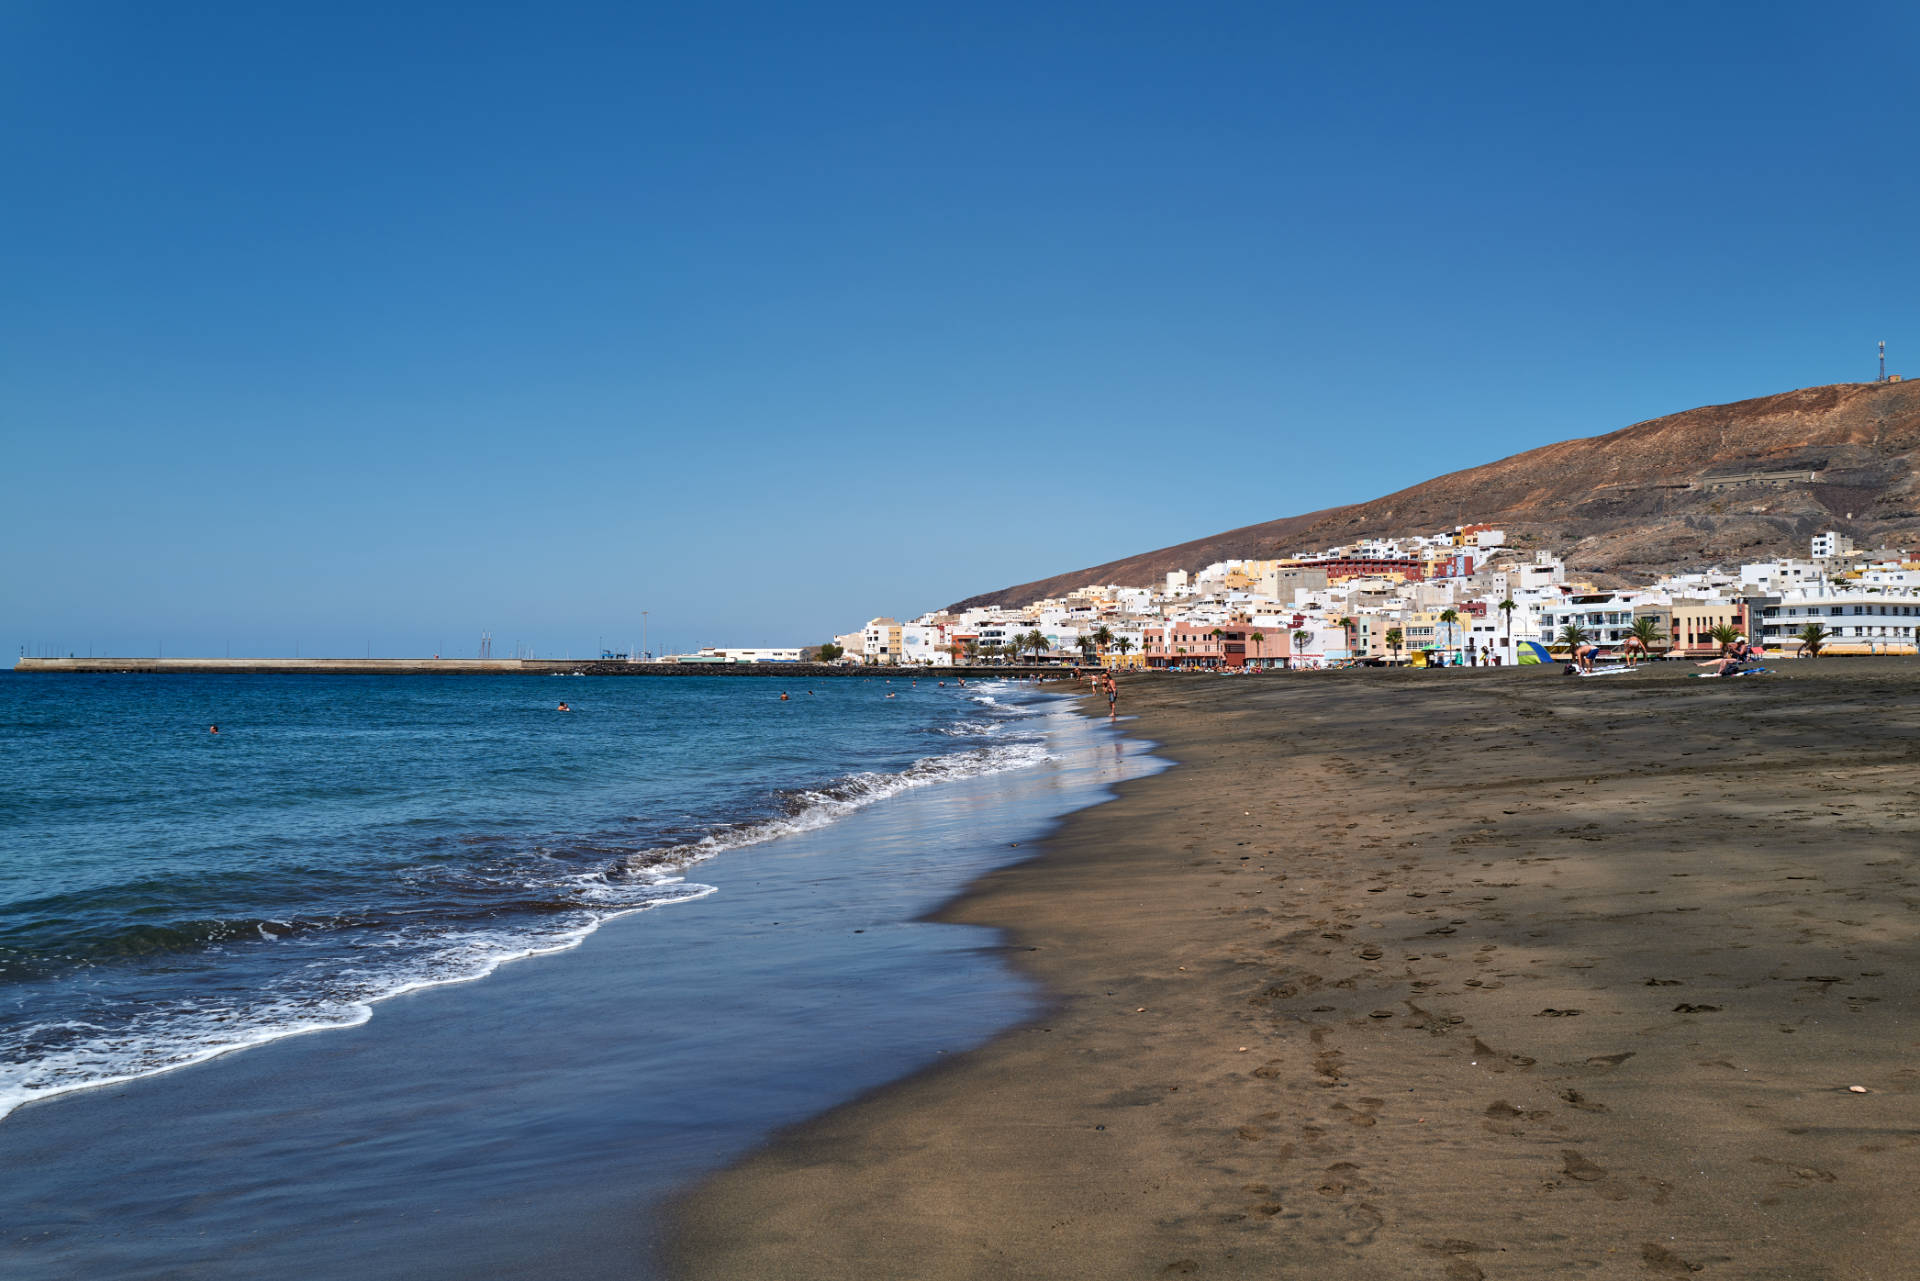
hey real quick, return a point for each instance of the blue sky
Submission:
(360, 326)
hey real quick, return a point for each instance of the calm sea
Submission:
(168, 895)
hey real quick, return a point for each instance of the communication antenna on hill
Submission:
(1883, 360)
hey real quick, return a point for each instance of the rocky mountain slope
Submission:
(1715, 485)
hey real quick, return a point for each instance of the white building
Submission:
(1891, 577)
(880, 643)
(1777, 577)
(1857, 620)
(1831, 544)
(1605, 618)
(926, 644)
(754, 655)
(1547, 570)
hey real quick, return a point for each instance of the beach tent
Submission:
(1532, 653)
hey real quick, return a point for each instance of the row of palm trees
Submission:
(1034, 641)
(1644, 634)
(1646, 630)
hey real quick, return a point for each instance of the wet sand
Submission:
(1429, 975)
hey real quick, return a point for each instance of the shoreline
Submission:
(532, 1123)
(1459, 975)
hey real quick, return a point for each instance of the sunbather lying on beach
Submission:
(1738, 655)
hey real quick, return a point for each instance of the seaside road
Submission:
(1443, 975)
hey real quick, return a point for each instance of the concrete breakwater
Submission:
(491, 667)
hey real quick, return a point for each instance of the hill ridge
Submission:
(1615, 503)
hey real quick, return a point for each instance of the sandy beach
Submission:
(1421, 974)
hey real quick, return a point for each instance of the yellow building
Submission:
(1694, 620)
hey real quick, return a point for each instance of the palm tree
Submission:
(1103, 637)
(1450, 617)
(1507, 607)
(1724, 635)
(973, 651)
(1646, 630)
(1300, 639)
(1257, 640)
(1036, 642)
(1123, 645)
(1812, 637)
(1573, 636)
(1394, 637)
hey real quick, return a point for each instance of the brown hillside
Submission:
(1632, 502)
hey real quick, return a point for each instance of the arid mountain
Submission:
(1709, 486)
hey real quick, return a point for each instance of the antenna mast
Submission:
(1883, 360)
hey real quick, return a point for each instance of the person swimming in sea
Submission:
(563, 708)
(783, 697)
(213, 729)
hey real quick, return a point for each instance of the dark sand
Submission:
(1427, 975)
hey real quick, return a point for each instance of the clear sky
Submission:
(371, 326)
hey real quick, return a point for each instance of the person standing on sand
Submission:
(1113, 697)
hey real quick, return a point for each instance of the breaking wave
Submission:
(442, 923)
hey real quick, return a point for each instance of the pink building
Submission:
(1196, 645)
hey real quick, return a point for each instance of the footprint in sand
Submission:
(1504, 1118)
(1357, 1116)
(1498, 1060)
(1578, 1167)
(1363, 1224)
(1663, 1262)
(1342, 1177)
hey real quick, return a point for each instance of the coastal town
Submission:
(1467, 597)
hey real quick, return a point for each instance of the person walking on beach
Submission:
(1113, 697)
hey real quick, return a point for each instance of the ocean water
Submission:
(168, 895)
(536, 1121)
